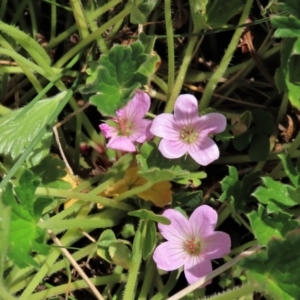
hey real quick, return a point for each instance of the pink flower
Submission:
(191, 243)
(129, 126)
(186, 132)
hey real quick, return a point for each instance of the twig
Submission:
(73, 262)
(57, 136)
(215, 273)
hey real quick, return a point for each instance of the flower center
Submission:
(124, 126)
(192, 247)
(188, 134)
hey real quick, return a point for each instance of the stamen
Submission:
(192, 247)
(188, 135)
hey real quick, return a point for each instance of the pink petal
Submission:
(197, 267)
(169, 256)
(107, 130)
(136, 109)
(204, 151)
(186, 110)
(122, 143)
(203, 221)
(178, 230)
(216, 245)
(142, 132)
(211, 123)
(172, 149)
(120, 114)
(164, 126)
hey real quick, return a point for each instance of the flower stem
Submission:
(134, 191)
(163, 293)
(210, 87)
(227, 160)
(170, 41)
(181, 75)
(213, 274)
(235, 293)
(94, 35)
(136, 259)
(84, 197)
(90, 17)
(148, 280)
(4, 110)
(79, 284)
(5, 295)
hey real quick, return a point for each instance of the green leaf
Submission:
(149, 240)
(105, 239)
(118, 74)
(120, 254)
(148, 215)
(156, 168)
(139, 14)
(238, 191)
(198, 12)
(294, 66)
(219, 12)
(189, 200)
(18, 130)
(291, 172)
(25, 213)
(275, 271)
(4, 236)
(118, 170)
(267, 226)
(26, 190)
(275, 195)
(242, 141)
(155, 175)
(192, 179)
(147, 41)
(287, 27)
(224, 136)
(291, 6)
(264, 121)
(51, 170)
(293, 194)
(259, 148)
(150, 157)
(39, 205)
(288, 71)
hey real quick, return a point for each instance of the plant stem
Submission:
(5, 295)
(80, 18)
(53, 20)
(94, 35)
(136, 258)
(170, 41)
(100, 11)
(163, 293)
(148, 280)
(4, 110)
(245, 158)
(134, 191)
(236, 293)
(83, 197)
(181, 75)
(210, 87)
(79, 284)
(74, 263)
(215, 273)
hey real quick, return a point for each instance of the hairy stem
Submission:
(170, 41)
(210, 87)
